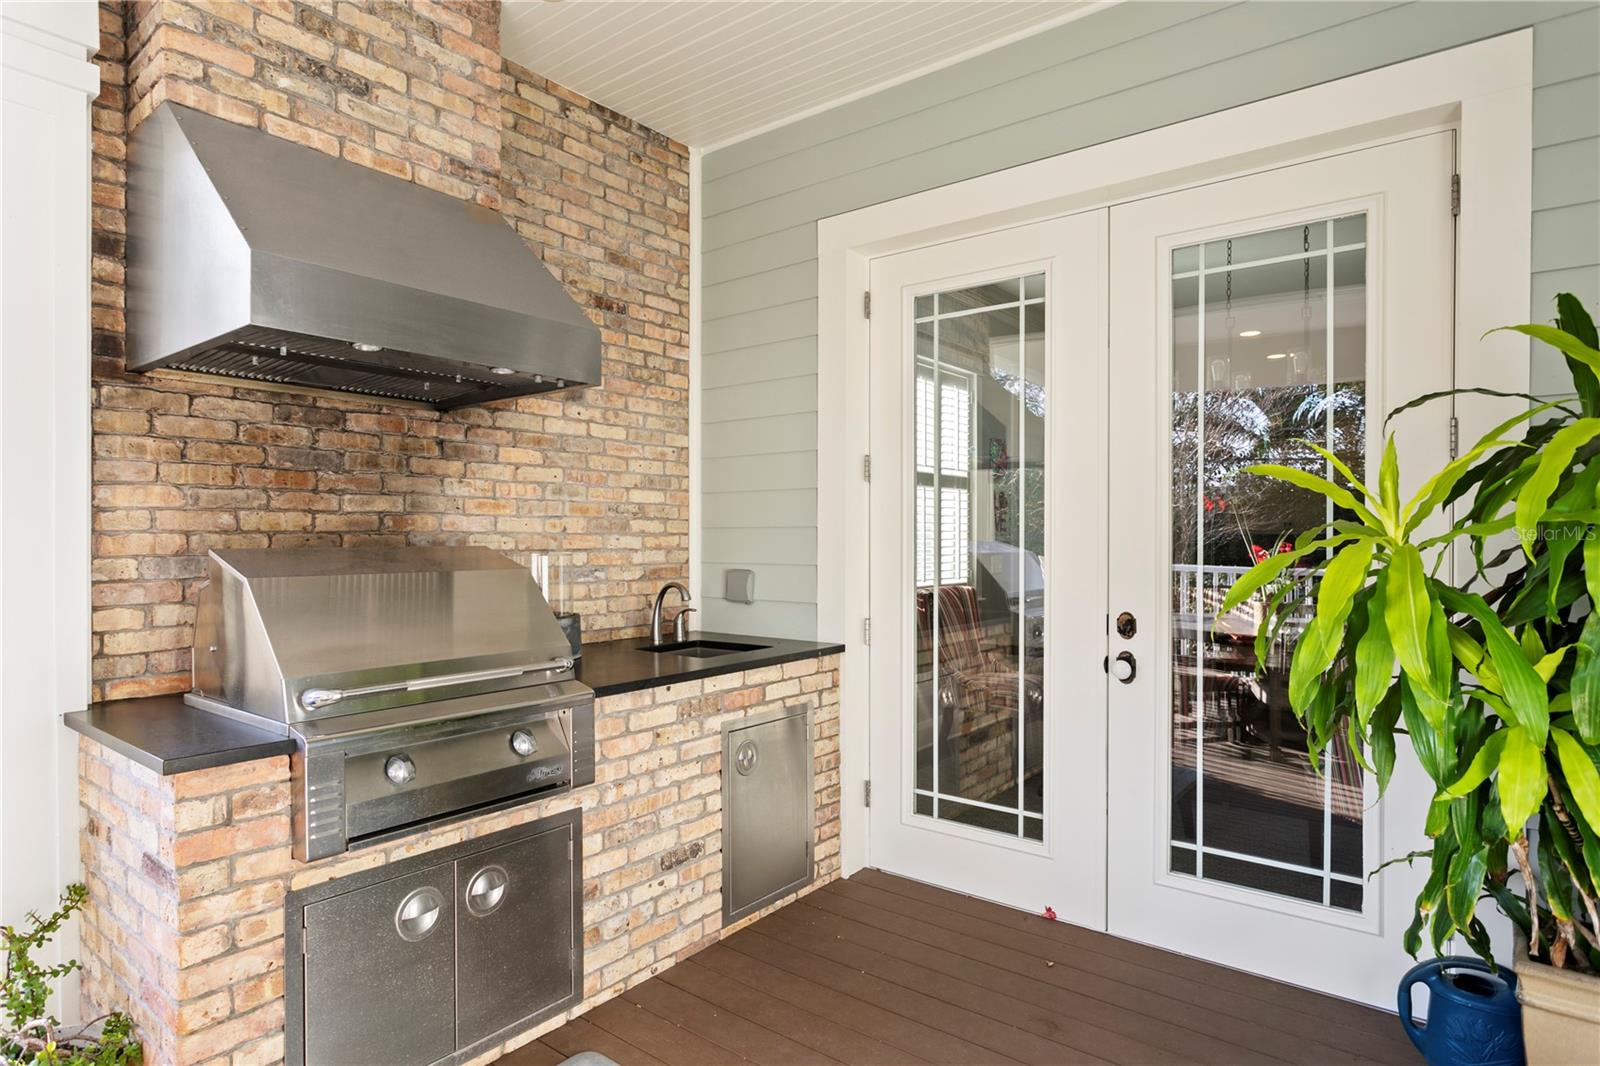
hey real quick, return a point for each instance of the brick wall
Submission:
(188, 874)
(181, 465)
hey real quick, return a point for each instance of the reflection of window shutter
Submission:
(944, 519)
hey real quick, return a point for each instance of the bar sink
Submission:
(701, 649)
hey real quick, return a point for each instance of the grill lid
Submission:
(302, 633)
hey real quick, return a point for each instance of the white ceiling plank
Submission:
(770, 68)
(846, 72)
(740, 66)
(707, 73)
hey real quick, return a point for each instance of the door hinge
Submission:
(866, 304)
(866, 793)
(866, 468)
(1455, 195)
(1455, 436)
(866, 631)
(569, 848)
(303, 934)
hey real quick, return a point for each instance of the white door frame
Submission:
(1484, 91)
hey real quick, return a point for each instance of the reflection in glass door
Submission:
(977, 535)
(1269, 351)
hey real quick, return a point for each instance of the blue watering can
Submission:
(1474, 1018)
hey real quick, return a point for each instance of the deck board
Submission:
(881, 971)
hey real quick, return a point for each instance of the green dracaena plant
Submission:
(1495, 681)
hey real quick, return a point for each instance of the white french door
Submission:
(987, 452)
(1062, 415)
(1247, 317)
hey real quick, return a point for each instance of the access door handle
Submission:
(487, 890)
(418, 913)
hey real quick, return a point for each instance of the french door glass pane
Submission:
(1268, 351)
(978, 409)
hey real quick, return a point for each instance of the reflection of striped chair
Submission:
(979, 688)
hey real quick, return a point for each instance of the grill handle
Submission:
(313, 699)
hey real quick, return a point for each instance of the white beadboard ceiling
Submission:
(706, 73)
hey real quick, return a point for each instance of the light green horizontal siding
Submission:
(1566, 174)
(1133, 67)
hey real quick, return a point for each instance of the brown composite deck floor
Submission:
(878, 969)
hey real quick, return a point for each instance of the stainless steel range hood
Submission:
(253, 257)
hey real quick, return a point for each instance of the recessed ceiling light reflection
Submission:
(1249, 333)
(1278, 355)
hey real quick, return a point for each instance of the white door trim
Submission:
(1482, 90)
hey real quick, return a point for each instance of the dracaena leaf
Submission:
(1269, 569)
(1343, 469)
(1582, 776)
(1473, 659)
(1585, 690)
(1564, 537)
(1521, 780)
(1425, 739)
(1322, 486)
(1526, 694)
(1483, 764)
(1560, 340)
(1466, 882)
(1591, 564)
(1553, 462)
(1320, 642)
(1547, 666)
(1438, 819)
(1374, 660)
(1389, 478)
(1382, 737)
(1406, 614)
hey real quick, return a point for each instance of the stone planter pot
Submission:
(1560, 1012)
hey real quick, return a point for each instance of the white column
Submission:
(47, 82)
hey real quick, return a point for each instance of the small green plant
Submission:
(28, 1032)
(1495, 680)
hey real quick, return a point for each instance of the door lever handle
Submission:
(1124, 667)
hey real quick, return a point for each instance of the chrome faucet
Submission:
(655, 613)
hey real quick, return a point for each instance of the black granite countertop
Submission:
(171, 737)
(624, 666)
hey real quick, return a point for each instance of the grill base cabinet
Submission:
(421, 961)
(768, 809)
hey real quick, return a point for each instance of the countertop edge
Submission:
(267, 747)
(166, 723)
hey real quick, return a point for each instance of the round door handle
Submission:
(418, 913)
(1125, 667)
(746, 757)
(487, 890)
(523, 744)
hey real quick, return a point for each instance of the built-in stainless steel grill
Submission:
(421, 684)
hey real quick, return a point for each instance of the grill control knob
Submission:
(399, 769)
(523, 744)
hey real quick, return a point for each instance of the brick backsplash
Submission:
(418, 90)
(188, 874)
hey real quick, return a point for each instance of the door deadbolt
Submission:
(1125, 667)
(1127, 625)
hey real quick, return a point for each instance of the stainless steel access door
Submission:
(380, 972)
(514, 929)
(769, 811)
